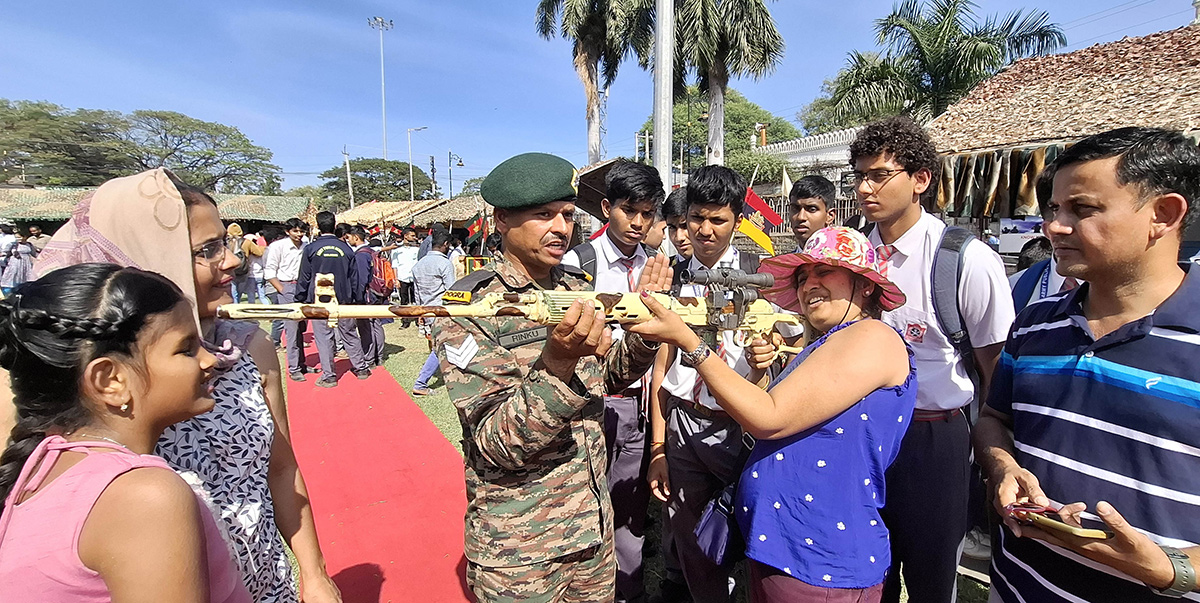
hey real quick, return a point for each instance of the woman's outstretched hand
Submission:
(666, 326)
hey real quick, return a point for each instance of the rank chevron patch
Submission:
(462, 354)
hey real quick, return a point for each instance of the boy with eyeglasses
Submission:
(895, 164)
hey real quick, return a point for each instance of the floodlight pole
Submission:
(412, 195)
(382, 25)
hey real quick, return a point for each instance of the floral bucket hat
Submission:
(836, 246)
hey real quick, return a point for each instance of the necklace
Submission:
(100, 437)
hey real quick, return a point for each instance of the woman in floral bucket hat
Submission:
(828, 427)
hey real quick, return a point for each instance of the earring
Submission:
(125, 407)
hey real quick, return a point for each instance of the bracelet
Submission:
(653, 444)
(1185, 574)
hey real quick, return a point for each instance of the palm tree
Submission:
(936, 52)
(723, 39)
(604, 33)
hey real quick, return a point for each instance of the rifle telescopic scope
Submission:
(728, 278)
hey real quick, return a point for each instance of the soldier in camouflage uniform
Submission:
(539, 523)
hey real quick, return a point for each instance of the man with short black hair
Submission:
(615, 262)
(1096, 397)
(895, 164)
(674, 211)
(432, 276)
(328, 254)
(370, 330)
(37, 238)
(281, 269)
(695, 445)
(810, 207)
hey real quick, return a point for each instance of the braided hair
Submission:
(51, 328)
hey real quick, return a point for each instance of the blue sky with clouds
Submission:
(302, 77)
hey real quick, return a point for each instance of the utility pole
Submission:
(349, 180)
(432, 176)
(664, 63)
(382, 25)
(412, 196)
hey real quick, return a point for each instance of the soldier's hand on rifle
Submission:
(582, 332)
(656, 276)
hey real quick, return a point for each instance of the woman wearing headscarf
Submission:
(240, 451)
(828, 427)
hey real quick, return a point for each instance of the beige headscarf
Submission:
(138, 221)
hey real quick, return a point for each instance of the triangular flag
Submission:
(756, 203)
(598, 233)
(787, 184)
(757, 235)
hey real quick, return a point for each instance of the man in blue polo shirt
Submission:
(1095, 397)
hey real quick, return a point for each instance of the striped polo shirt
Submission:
(1115, 419)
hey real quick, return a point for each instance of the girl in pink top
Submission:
(102, 360)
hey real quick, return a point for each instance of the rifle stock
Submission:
(547, 307)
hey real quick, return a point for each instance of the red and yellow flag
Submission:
(476, 228)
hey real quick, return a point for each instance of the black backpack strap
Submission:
(1025, 286)
(587, 258)
(748, 262)
(945, 280)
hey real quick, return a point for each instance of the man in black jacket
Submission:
(327, 254)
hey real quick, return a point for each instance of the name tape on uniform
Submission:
(520, 338)
(457, 296)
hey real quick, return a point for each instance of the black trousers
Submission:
(926, 509)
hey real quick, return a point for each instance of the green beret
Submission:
(528, 180)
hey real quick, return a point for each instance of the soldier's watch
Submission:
(1185, 574)
(693, 358)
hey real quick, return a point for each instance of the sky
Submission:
(302, 77)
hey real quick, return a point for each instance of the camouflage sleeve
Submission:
(627, 361)
(506, 416)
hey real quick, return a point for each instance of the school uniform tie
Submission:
(628, 264)
(883, 253)
(1068, 284)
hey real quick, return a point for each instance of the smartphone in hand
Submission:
(1045, 518)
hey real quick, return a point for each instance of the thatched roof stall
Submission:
(387, 212)
(56, 204)
(997, 139)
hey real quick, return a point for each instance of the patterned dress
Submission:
(229, 450)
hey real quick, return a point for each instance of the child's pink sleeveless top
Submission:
(39, 538)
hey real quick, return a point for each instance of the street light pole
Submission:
(450, 169)
(382, 25)
(412, 195)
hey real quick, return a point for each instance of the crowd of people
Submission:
(922, 405)
(1056, 410)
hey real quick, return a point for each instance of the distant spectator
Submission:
(674, 212)
(810, 207)
(1034, 251)
(404, 257)
(19, 266)
(432, 276)
(37, 238)
(492, 245)
(370, 330)
(328, 254)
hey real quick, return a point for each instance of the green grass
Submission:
(404, 354)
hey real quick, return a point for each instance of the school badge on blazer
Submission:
(914, 332)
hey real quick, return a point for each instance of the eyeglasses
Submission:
(876, 179)
(210, 251)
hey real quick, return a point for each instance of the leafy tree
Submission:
(86, 147)
(936, 52)
(206, 154)
(470, 187)
(604, 32)
(690, 124)
(818, 117)
(722, 39)
(756, 167)
(57, 147)
(374, 180)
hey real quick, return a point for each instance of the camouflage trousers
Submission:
(585, 577)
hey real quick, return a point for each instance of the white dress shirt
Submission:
(680, 381)
(611, 276)
(283, 260)
(984, 300)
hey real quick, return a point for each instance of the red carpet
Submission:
(387, 489)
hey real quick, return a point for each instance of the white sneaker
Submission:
(977, 545)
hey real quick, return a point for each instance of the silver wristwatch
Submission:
(693, 358)
(1185, 574)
